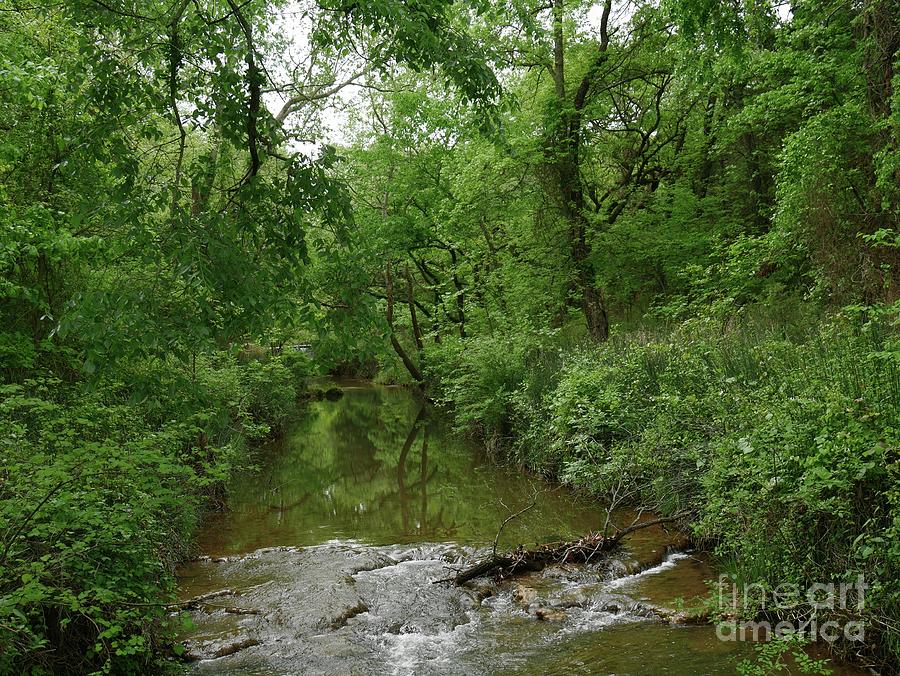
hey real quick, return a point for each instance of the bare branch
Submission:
(513, 516)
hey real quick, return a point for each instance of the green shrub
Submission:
(784, 453)
(270, 391)
(479, 376)
(299, 364)
(100, 490)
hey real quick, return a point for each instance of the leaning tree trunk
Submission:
(398, 348)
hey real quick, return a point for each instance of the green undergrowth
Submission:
(777, 444)
(101, 487)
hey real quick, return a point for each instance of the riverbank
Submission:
(777, 445)
(364, 503)
(103, 487)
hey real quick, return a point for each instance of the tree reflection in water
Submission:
(378, 466)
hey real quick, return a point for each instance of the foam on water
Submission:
(409, 652)
(588, 620)
(668, 563)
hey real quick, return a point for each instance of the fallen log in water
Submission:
(521, 560)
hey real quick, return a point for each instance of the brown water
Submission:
(326, 563)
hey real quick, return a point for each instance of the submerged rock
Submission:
(237, 646)
(549, 614)
(342, 619)
(525, 595)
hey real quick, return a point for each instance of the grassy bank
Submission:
(778, 444)
(101, 488)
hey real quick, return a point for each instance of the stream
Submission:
(326, 562)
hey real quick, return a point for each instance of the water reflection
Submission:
(379, 467)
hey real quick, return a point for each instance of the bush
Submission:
(481, 377)
(784, 453)
(100, 490)
(270, 391)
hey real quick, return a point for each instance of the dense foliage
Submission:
(779, 445)
(710, 192)
(102, 488)
(649, 248)
(156, 223)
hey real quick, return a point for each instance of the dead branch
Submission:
(521, 560)
(511, 517)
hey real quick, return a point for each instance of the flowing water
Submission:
(328, 557)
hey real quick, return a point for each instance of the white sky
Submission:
(334, 119)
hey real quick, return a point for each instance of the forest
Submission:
(645, 248)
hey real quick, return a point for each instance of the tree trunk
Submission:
(566, 151)
(706, 162)
(460, 296)
(595, 314)
(881, 27)
(398, 348)
(411, 299)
